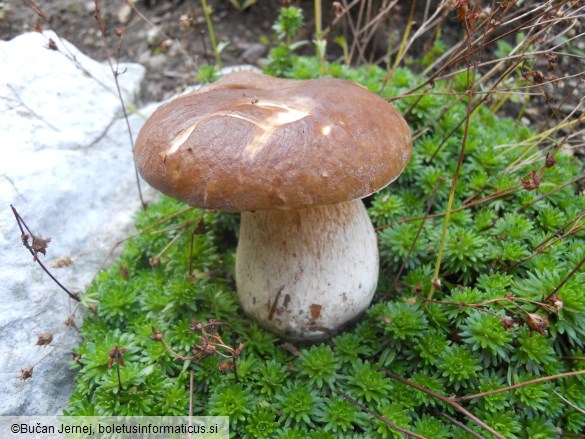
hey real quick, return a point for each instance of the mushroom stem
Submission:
(304, 273)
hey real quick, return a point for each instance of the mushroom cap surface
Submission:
(255, 142)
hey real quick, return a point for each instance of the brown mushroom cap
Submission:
(254, 142)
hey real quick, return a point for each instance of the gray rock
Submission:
(67, 167)
(57, 97)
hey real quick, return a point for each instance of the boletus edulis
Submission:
(295, 157)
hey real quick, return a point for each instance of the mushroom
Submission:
(295, 157)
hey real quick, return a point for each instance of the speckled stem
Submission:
(304, 273)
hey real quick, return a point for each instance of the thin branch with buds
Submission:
(115, 73)
(38, 245)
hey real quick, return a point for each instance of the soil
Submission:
(154, 34)
(170, 37)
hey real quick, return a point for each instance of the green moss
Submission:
(475, 337)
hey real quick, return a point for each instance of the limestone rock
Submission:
(67, 167)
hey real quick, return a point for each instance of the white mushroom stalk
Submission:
(304, 273)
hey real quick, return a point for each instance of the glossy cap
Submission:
(254, 142)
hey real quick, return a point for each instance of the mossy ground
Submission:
(493, 323)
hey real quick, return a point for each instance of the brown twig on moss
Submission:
(493, 196)
(461, 425)
(519, 385)
(211, 344)
(418, 232)
(155, 260)
(553, 239)
(212, 341)
(448, 401)
(558, 188)
(535, 322)
(386, 421)
(565, 280)
(116, 355)
(572, 404)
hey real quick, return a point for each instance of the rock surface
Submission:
(67, 167)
